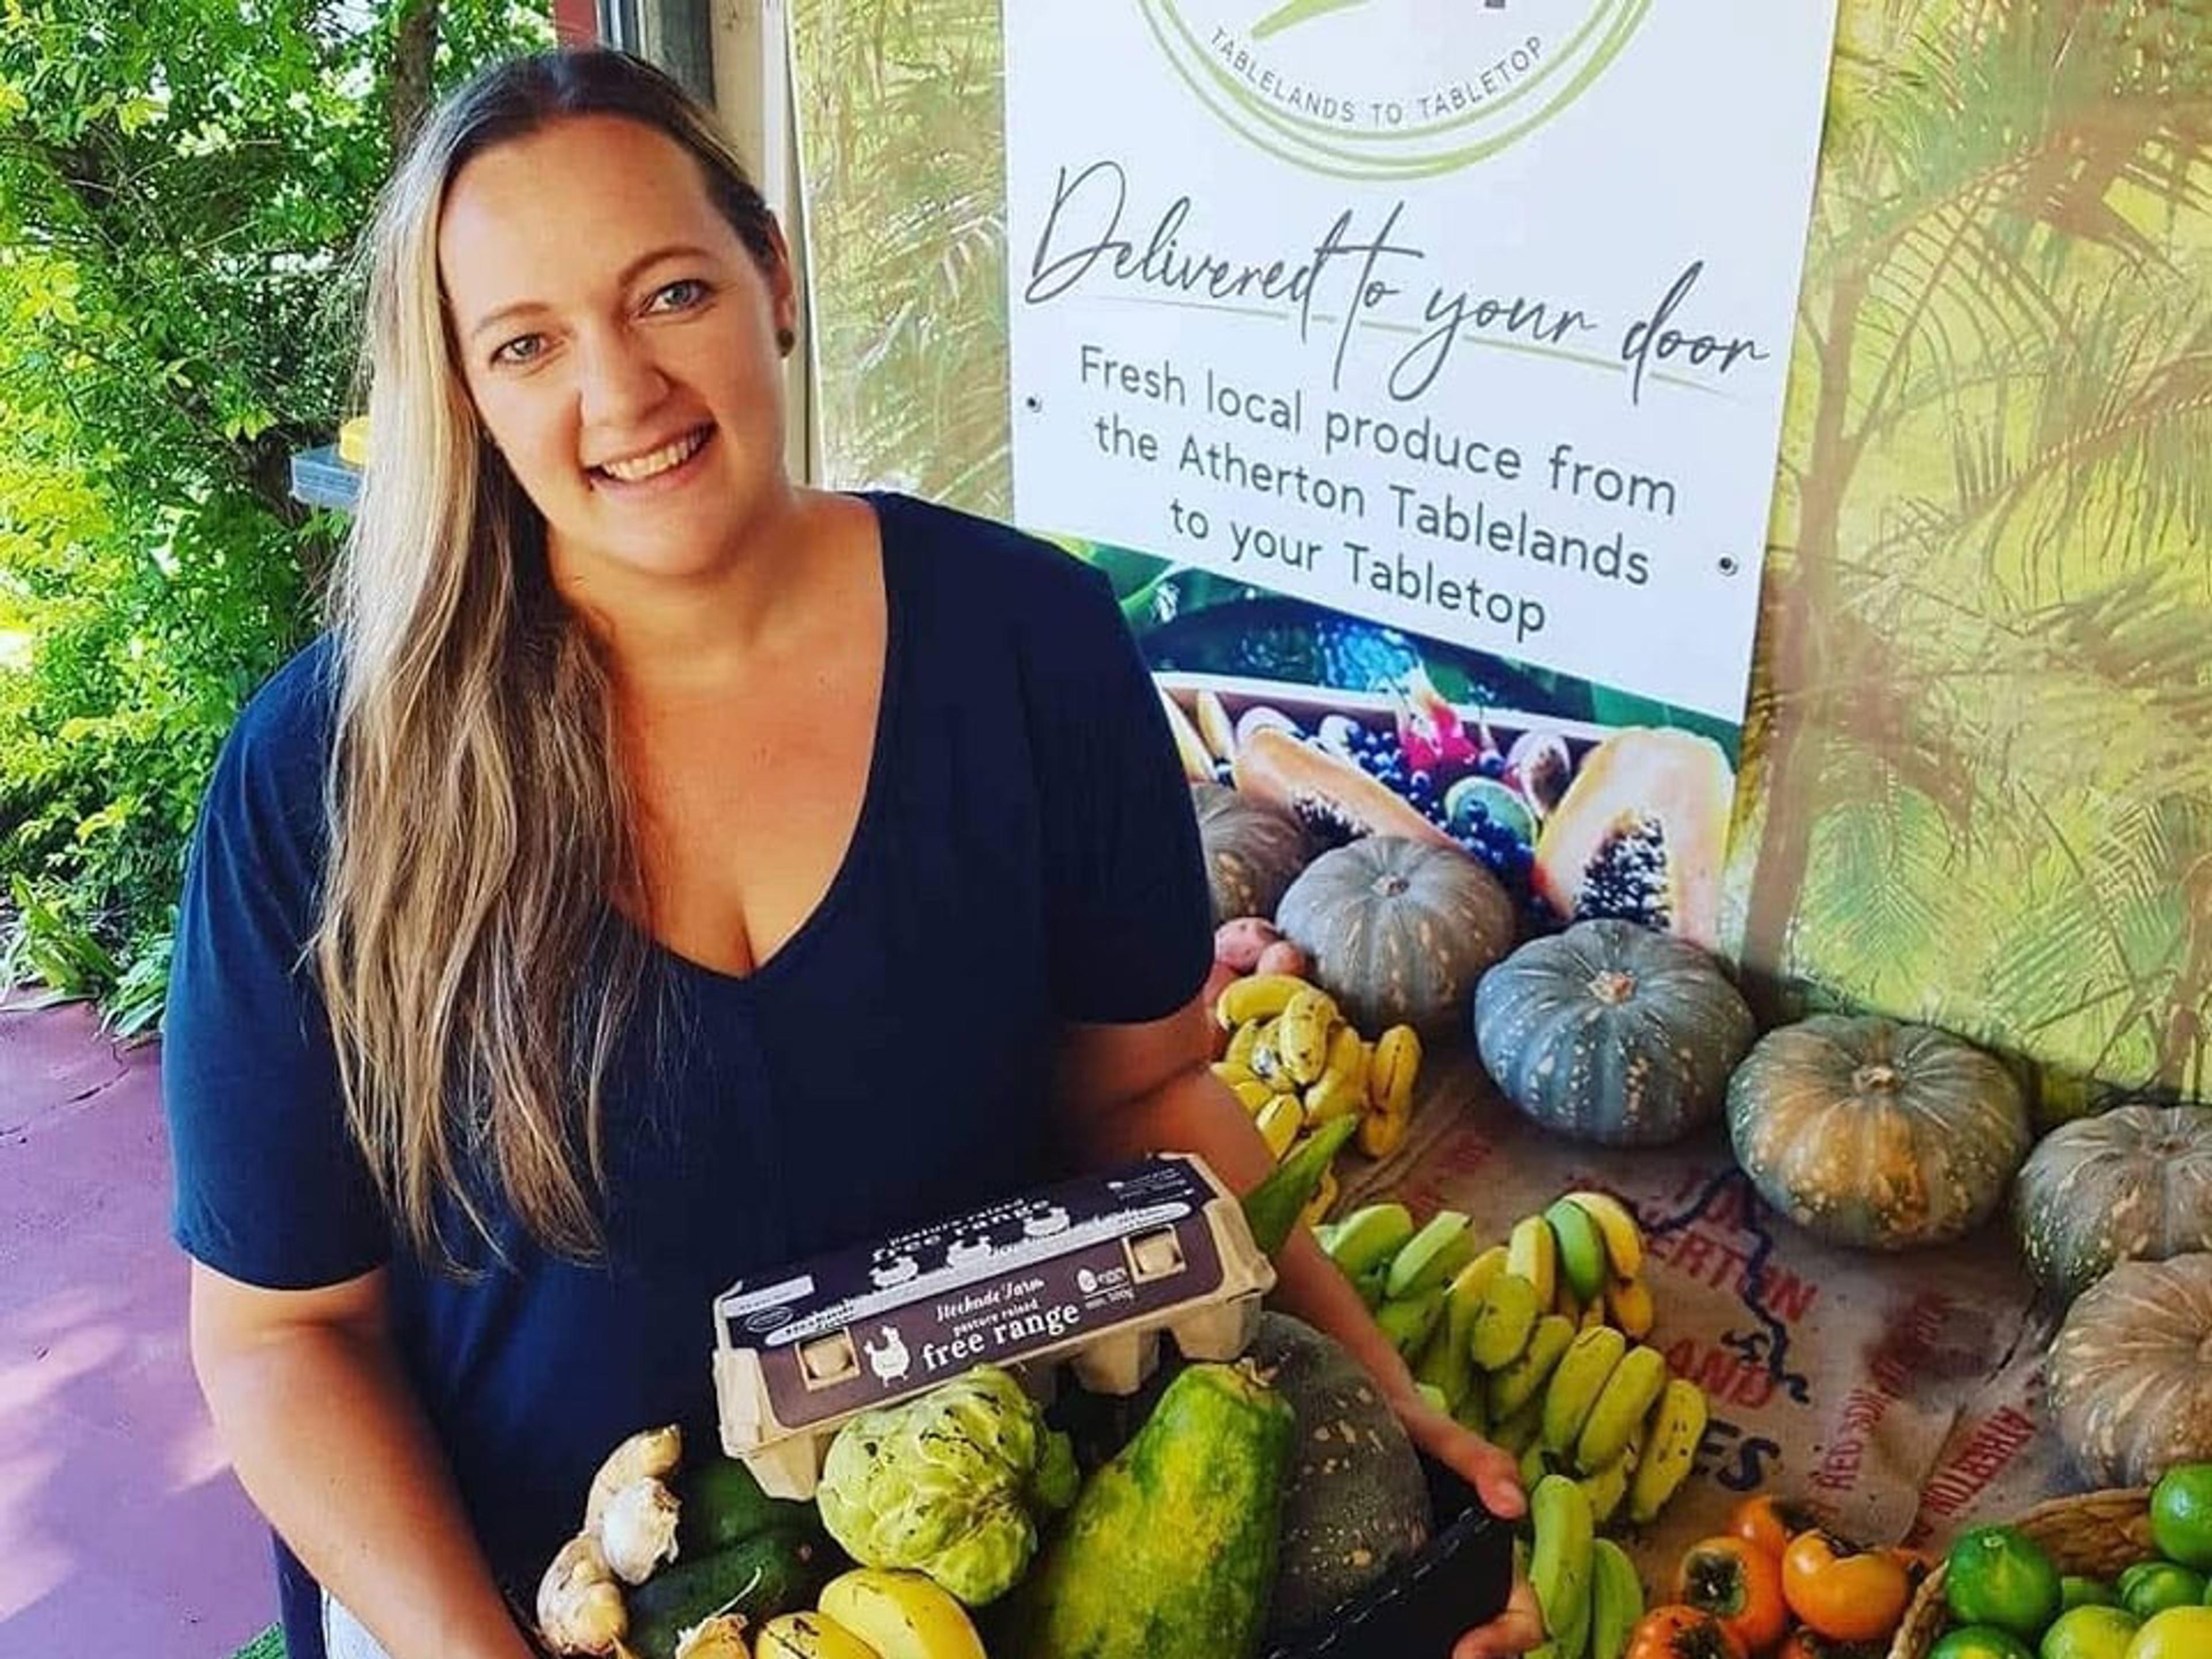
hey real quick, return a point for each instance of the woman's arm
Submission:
(328, 1439)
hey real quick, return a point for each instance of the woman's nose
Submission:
(620, 380)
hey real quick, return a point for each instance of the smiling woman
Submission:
(557, 921)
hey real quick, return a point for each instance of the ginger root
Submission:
(654, 1452)
(580, 1606)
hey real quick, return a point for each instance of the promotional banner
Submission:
(1473, 319)
(1974, 785)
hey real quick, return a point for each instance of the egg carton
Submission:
(1089, 1273)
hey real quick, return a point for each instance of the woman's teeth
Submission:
(639, 468)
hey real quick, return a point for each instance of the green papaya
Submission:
(1170, 1550)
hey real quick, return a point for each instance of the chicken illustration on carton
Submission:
(1088, 1273)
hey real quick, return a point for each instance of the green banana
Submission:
(1577, 1382)
(1627, 1399)
(1273, 1208)
(1445, 1244)
(1583, 1260)
(1518, 1432)
(1472, 1413)
(1503, 1322)
(1445, 1362)
(1670, 1447)
(1561, 1566)
(1533, 1251)
(1369, 1235)
(1523, 1379)
(1624, 1239)
(1409, 1321)
(1616, 1599)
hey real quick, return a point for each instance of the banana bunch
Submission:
(872, 1613)
(1295, 1063)
(1586, 1586)
(1535, 1343)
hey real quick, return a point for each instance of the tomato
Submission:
(1999, 1576)
(1859, 1597)
(1739, 1584)
(1981, 1642)
(2177, 1634)
(2089, 1632)
(1769, 1522)
(1680, 1633)
(2150, 1587)
(2181, 1515)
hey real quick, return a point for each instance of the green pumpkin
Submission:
(1612, 1032)
(2135, 1184)
(1252, 851)
(1874, 1134)
(1398, 930)
(2130, 1374)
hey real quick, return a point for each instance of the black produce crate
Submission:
(1461, 1578)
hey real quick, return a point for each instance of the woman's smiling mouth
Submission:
(657, 467)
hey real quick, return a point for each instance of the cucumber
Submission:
(759, 1576)
(722, 1503)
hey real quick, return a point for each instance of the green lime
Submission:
(1999, 1576)
(2090, 1633)
(2075, 1591)
(1981, 1642)
(2181, 1515)
(2150, 1587)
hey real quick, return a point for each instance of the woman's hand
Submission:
(1496, 1481)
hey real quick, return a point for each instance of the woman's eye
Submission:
(678, 296)
(520, 350)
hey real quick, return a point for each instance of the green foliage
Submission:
(182, 183)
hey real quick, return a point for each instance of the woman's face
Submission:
(619, 342)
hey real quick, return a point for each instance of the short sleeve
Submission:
(269, 1188)
(1126, 894)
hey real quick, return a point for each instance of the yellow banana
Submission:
(1593, 1316)
(1279, 1122)
(1577, 1382)
(1267, 1061)
(1670, 1447)
(1624, 1239)
(1630, 1301)
(808, 1635)
(1629, 1394)
(1606, 1486)
(902, 1616)
(1253, 1094)
(1239, 1054)
(1302, 1036)
(1392, 1069)
(1533, 1253)
(1232, 1075)
(1382, 1133)
(1255, 996)
(1347, 1057)
(1332, 1096)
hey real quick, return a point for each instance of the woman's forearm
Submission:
(329, 1442)
(1196, 1112)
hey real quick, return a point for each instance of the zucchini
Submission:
(722, 1503)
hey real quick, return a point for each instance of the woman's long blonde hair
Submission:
(476, 969)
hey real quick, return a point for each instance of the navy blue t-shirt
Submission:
(1025, 855)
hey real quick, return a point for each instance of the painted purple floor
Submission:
(122, 1529)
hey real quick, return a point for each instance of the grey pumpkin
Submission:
(1877, 1135)
(2133, 1184)
(1612, 1032)
(2131, 1371)
(1398, 931)
(1254, 851)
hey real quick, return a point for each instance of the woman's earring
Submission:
(785, 340)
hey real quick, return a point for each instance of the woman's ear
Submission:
(783, 289)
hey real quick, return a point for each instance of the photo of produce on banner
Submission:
(1584, 801)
